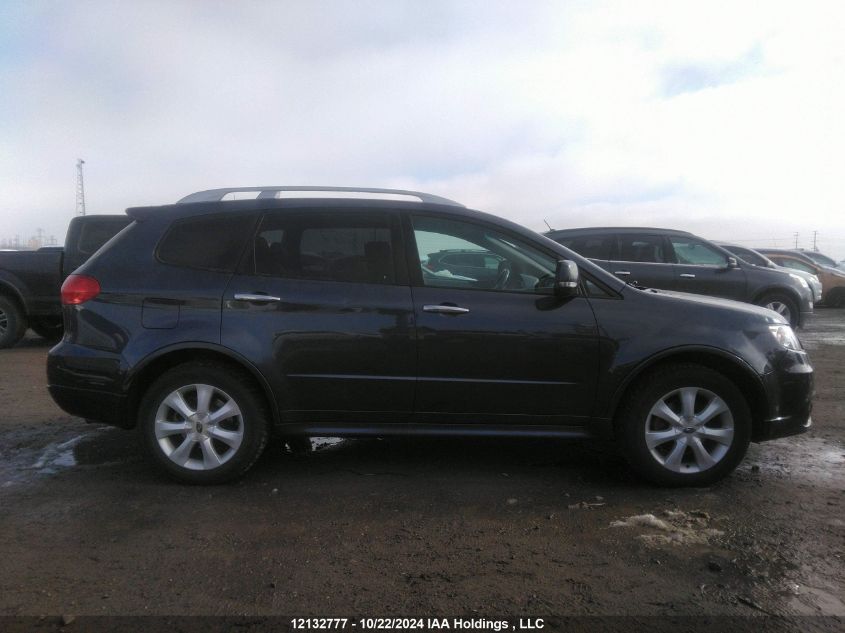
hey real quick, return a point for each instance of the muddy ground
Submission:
(426, 527)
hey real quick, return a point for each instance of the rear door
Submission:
(643, 258)
(323, 307)
(702, 269)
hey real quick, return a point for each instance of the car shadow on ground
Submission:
(405, 457)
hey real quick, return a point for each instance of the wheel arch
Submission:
(156, 364)
(770, 290)
(727, 364)
(10, 291)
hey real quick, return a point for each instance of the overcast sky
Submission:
(721, 118)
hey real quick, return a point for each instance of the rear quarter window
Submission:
(206, 242)
(94, 234)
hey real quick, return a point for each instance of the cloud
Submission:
(697, 116)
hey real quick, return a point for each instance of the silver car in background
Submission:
(751, 256)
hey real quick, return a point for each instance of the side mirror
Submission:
(732, 263)
(566, 278)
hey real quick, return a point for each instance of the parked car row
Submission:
(208, 323)
(679, 261)
(832, 279)
(758, 259)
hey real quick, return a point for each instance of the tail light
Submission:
(78, 289)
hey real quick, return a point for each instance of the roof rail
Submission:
(215, 195)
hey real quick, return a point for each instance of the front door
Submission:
(703, 269)
(324, 309)
(498, 349)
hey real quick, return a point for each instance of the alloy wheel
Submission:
(689, 430)
(199, 427)
(781, 308)
(4, 322)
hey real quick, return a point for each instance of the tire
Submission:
(50, 329)
(783, 305)
(836, 298)
(675, 458)
(12, 323)
(204, 450)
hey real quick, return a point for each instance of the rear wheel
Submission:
(684, 425)
(783, 305)
(12, 323)
(203, 423)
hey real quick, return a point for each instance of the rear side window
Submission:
(212, 242)
(642, 248)
(593, 247)
(349, 247)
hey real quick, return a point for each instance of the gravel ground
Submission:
(426, 527)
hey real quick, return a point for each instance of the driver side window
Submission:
(466, 255)
(691, 251)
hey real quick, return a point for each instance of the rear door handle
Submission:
(441, 309)
(621, 272)
(687, 275)
(255, 296)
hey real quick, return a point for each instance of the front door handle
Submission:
(687, 275)
(255, 296)
(442, 309)
(621, 272)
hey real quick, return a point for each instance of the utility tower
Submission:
(80, 188)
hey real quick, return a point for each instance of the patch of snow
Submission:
(677, 528)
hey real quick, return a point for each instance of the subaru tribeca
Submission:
(208, 323)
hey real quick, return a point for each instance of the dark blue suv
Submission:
(210, 323)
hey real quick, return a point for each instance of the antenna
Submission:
(80, 188)
(547, 224)
(815, 237)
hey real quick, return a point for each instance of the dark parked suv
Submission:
(209, 323)
(679, 261)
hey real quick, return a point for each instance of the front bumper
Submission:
(789, 392)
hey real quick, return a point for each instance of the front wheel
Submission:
(684, 425)
(203, 423)
(783, 305)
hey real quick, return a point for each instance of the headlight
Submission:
(800, 280)
(785, 336)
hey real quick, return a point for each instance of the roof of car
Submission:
(273, 191)
(780, 251)
(180, 210)
(786, 252)
(603, 230)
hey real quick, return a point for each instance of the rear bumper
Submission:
(88, 383)
(96, 406)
